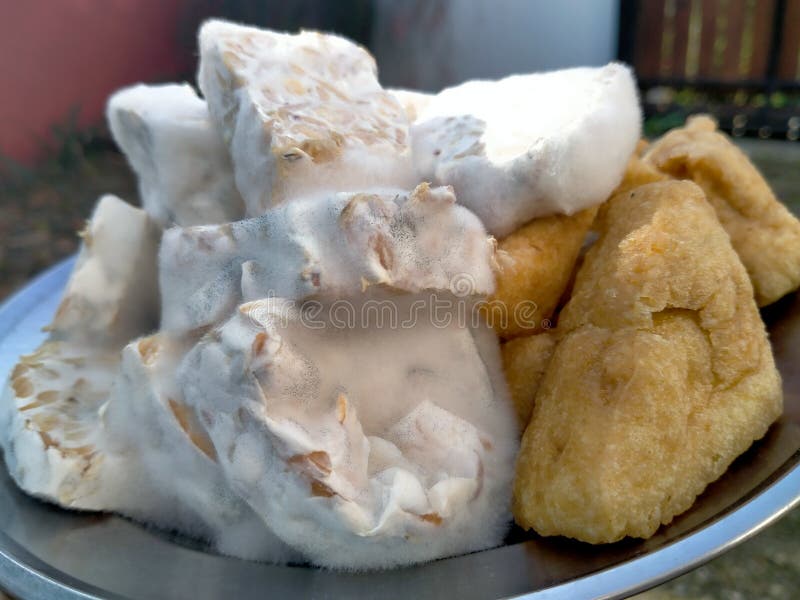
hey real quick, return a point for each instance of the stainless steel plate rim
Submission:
(25, 574)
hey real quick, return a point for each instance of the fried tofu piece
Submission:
(535, 265)
(525, 360)
(763, 232)
(662, 375)
(638, 172)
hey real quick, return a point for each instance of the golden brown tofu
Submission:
(763, 232)
(535, 262)
(638, 172)
(524, 362)
(662, 374)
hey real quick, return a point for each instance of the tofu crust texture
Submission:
(763, 231)
(662, 374)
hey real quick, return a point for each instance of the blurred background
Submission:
(739, 59)
(60, 59)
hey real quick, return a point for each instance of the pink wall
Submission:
(60, 54)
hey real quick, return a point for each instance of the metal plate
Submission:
(46, 552)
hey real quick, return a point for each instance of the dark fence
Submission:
(739, 59)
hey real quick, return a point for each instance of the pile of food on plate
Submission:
(340, 307)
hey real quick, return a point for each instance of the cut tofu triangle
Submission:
(325, 246)
(112, 293)
(301, 114)
(396, 451)
(185, 174)
(529, 145)
(51, 432)
(89, 425)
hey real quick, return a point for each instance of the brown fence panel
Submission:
(736, 39)
(708, 34)
(649, 31)
(718, 47)
(790, 46)
(763, 17)
(683, 9)
(735, 11)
